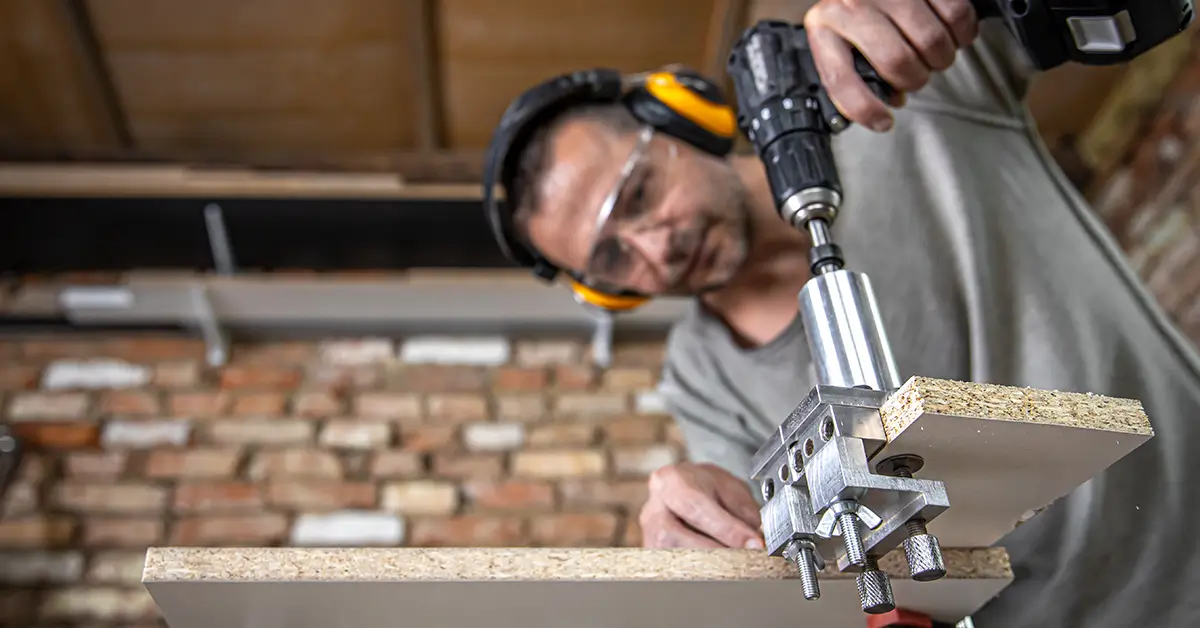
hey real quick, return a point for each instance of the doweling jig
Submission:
(825, 495)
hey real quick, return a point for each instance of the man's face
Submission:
(640, 211)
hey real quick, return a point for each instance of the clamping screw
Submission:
(803, 553)
(874, 589)
(856, 552)
(921, 549)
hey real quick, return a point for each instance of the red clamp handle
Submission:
(900, 618)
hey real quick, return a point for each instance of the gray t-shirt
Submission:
(990, 267)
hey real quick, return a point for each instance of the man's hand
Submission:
(699, 505)
(904, 40)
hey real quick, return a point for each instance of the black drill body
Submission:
(785, 112)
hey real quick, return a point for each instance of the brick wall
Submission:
(1150, 198)
(422, 442)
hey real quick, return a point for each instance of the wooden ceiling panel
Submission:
(51, 100)
(226, 77)
(491, 51)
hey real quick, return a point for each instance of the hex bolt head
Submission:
(924, 555)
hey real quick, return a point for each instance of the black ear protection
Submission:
(679, 103)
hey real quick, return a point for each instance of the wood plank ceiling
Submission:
(412, 86)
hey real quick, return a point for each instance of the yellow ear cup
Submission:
(613, 302)
(715, 118)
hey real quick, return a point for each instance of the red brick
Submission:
(97, 603)
(574, 377)
(397, 464)
(420, 497)
(200, 404)
(673, 434)
(429, 438)
(259, 404)
(387, 405)
(626, 379)
(649, 354)
(277, 432)
(436, 378)
(256, 530)
(105, 464)
(113, 497)
(110, 532)
(562, 435)
(18, 376)
(643, 460)
(526, 408)
(510, 495)
(559, 463)
(569, 405)
(130, 403)
(631, 535)
(320, 495)
(295, 463)
(457, 408)
(521, 379)
(633, 430)
(155, 349)
(52, 406)
(176, 374)
(58, 435)
(627, 494)
(468, 531)
(54, 348)
(343, 378)
(317, 404)
(574, 529)
(218, 497)
(192, 463)
(257, 353)
(472, 466)
(260, 376)
(36, 531)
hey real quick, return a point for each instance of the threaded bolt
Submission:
(875, 588)
(806, 564)
(852, 538)
(916, 526)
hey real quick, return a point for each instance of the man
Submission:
(987, 264)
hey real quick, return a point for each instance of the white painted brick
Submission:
(94, 374)
(478, 350)
(357, 352)
(493, 436)
(547, 352)
(145, 434)
(35, 405)
(28, 568)
(348, 528)
(117, 567)
(650, 402)
(344, 434)
(644, 461)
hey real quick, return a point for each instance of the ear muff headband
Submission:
(681, 104)
(608, 301)
(714, 117)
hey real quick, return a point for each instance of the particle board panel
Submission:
(531, 588)
(1006, 452)
(492, 51)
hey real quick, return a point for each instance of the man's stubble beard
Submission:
(737, 252)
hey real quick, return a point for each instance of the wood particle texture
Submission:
(534, 588)
(1011, 403)
(1003, 452)
(183, 564)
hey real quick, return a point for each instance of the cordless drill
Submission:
(835, 432)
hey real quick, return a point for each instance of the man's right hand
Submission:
(699, 505)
